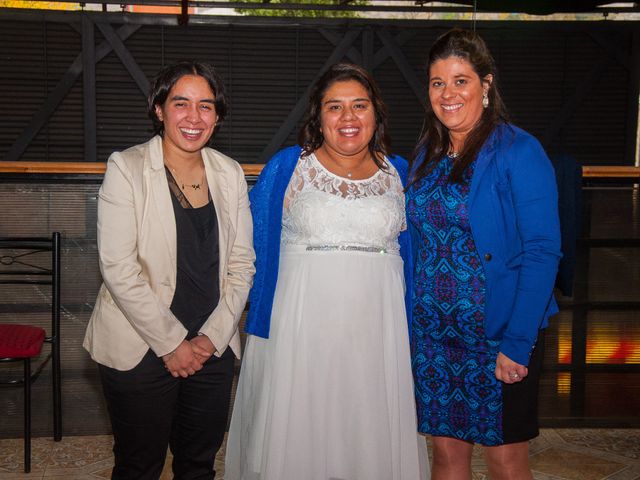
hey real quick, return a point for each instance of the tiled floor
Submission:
(558, 454)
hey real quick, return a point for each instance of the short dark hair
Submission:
(166, 78)
(434, 140)
(310, 136)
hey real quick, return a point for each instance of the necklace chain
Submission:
(349, 173)
(195, 186)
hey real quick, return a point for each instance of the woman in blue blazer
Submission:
(482, 214)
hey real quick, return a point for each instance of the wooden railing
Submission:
(611, 172)
(83, 168)
(98, 168)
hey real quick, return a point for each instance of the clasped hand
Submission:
(189, 357)
(509, 371)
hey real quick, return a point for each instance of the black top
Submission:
(198, 256)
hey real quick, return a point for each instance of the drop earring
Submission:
(485, 99)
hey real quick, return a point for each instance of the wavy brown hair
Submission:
(310, 136)
(434, 140)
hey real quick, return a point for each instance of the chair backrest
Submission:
(34, 261)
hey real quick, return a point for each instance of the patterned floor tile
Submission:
(80, 452)
(557, 454)
(573, 466)
(99, 469)
(12, 457)
(21, 476)
(106, 473)
(631, 473)
(624, 442)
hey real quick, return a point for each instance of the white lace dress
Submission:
(329, 396)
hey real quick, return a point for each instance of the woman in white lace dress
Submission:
(325, 391)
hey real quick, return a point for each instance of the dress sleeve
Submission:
(532, 185)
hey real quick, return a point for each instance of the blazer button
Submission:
(487, 257)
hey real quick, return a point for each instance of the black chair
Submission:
(22, 263)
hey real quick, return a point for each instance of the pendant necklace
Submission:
(348, 173)
(195, 186)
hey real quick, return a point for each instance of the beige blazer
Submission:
(137, 252)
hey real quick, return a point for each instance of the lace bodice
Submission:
(321, 208)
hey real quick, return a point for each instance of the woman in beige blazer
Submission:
(176, 256)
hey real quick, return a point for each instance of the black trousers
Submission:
(150, 410)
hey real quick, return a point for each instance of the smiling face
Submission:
(347, 119)
(455, 94)
(188, 115)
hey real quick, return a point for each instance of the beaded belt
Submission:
(345, 248)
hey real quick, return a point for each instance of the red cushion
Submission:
(20, 341)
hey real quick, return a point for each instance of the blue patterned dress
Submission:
(457, 393)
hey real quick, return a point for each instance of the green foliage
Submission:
(264, 12)
(37, 5)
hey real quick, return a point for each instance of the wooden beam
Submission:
(610, 172)
(98, 168)
(71, 168)
(183, 17)
(334, 38)
(574, 101)
(125, 57)
(343, 47)
(85, 168)
(89, 89)
(419, 89)
(367, 48)
(633, 148)
(298, 110)
(58, 93)
(383, 53)
(612, 47)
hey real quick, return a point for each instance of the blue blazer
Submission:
(513, 213)
(267, 197)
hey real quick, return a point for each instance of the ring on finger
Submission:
(514, 375)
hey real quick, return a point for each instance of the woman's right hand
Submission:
(183, 361)
(508, 371)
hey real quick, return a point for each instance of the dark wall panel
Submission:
(560, 81)
(23, 78)
(62, 136)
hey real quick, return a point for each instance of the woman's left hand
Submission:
(203, 347)
(508, 371)
(182, 362)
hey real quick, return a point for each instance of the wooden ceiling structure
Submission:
(531, 7)
(84, 71)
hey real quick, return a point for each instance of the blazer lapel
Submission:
(161, 196)
(218, 182)
(485, 156)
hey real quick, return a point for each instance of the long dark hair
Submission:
(310, 136)
(166, 78)
(434, 140)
